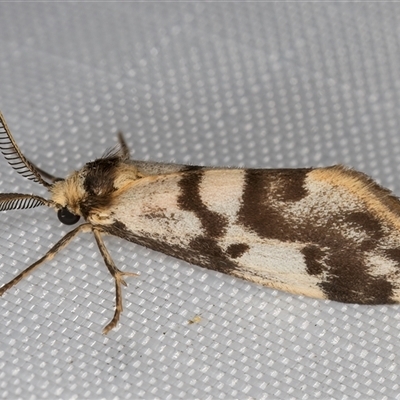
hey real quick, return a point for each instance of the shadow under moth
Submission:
(329, 233)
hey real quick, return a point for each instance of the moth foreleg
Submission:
(118, 277)
(48, 256)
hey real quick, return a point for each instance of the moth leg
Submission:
(48, 256)
(124, 147)
(118, 277)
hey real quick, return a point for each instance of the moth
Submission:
(328, 233)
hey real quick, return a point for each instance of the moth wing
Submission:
(149, 168)
(199, 216)
(329, 232)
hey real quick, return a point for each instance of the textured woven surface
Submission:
(267, 85)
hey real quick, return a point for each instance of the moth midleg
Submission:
(48, 256)
(118, 277)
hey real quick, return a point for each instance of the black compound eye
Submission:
(66, 217)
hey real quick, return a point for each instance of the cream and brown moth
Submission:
(329, 233)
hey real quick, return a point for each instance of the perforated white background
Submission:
(238, 84)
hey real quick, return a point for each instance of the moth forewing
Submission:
(330, 233)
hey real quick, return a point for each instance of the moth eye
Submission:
(66, 217)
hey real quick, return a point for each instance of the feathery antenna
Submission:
(19, 201)
(14, 156)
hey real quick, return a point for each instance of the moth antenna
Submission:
(45, 174)
(14, 156)
(124, 149)
(19, 201)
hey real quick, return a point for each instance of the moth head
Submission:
(66, 195)
(84, 192)
(92, 190)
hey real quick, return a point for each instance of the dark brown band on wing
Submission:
(257, 212)
(189, 199)
(341, 263)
